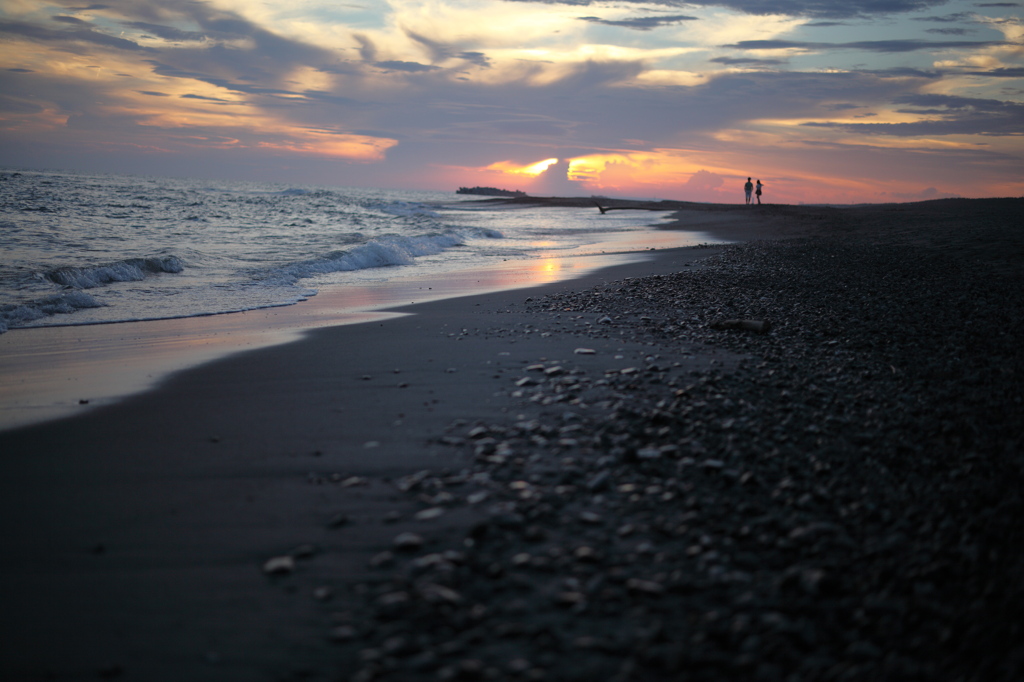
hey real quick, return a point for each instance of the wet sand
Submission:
(137, 534)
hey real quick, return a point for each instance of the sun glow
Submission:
(532, 170)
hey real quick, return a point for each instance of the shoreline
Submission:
(51, 372)
(160, 510)
(139, 533)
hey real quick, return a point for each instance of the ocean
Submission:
(81, 248)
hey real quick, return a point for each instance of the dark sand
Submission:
(135, 536)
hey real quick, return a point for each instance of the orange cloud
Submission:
(341, 145)
(531, 170)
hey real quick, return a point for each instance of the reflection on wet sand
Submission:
(50, 372)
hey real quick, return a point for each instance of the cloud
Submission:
(206, 99)
(909, 45)
(478, 58)
(702, 185)
(902, 72)
(1002, 72)
(947, 18)
(367, 48)
(946, 115)
(746, 61)
(408, 67)
(642, 23)
(69, 38)
(807, 8)
(167, 32)
(17, 105)
(554, 181)
(168, 70)
(407, 91)
(74, 21)
(437, 50)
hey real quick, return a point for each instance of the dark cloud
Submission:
(950, 31)
(830, 9)
(867, 45)
(902, 72)
(531, 128)
(74, 21)
(959, 17)
(437, 50)
(642, 23)
(162, 69)
(102, 121)
(367, 48)
(1016, 72)
(67, 37)
(947, 115)
(166, 32)
(22, 70)
(478, 58)
(746, 61)
(17, 105)
(440, 51)
(152, 93)
(207, 99)
(408, 67)
(591, 116)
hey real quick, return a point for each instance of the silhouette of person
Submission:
(758, 192)
(747, 189)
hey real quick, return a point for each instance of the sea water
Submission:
(80, 248)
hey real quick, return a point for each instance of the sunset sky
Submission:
(824, 101)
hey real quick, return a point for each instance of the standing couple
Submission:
(749, 187)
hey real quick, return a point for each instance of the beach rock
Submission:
(835, 500)
(407, 542)
(343, 633)
(279, 565)
(382, 559)
(759, 326)
(428, 514)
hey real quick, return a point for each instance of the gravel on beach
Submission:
(832, 491)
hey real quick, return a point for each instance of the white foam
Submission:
(128, 270)
(378, 253)
(57, 304)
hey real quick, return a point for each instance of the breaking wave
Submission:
(128, 270)
(19, 314)
(377, 253)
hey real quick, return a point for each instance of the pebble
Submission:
(408, 541)
(429, 514)
(785, 505)
(279, 565)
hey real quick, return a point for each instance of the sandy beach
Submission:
(587, 479)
